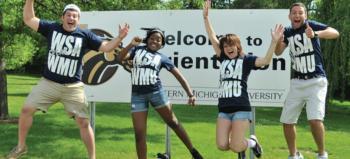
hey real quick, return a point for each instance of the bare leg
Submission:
(317, 129)
(238, 141)
(223, 129)
(139, 120)
(170, 119)
(290, 136)
(25, 123)
(87, 135)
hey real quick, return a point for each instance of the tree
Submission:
(19, 42)
(3, 82)
(337, 58)
(16, 47)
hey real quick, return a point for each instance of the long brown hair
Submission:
(231, 39)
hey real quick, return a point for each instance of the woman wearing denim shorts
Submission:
(147, 88)
(234, 106)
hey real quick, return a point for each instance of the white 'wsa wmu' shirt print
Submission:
(65, 51)
(146, 68)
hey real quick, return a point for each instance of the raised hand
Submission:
(123, 31)
(277, 33)
(206, 8)
(191, 101)
(136, 41)
(308, 31)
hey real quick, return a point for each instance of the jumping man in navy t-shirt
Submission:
(61, 80)
(308, 84)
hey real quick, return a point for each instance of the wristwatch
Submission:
(315, 35)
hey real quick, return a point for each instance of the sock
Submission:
(251, 143)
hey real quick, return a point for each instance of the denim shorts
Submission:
(240, 115)
(140, 102)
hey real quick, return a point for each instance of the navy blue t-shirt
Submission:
(146, 68)
(65, 51)
(234, 75)
(305, 53)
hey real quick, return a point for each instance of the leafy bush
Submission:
(20, 51)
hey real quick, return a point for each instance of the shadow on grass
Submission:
(335, 120)
(23, 76)
(122, 110)
(53, 130)
(336, 117)
(18, 94)
(45, 132)
(23, 84)
(184, 113)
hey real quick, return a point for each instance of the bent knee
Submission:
(223, 147)
(315, 121)
(238, 147)
(27, 110)
(83, 122)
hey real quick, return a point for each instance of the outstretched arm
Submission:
(185, 85)
(276, 35)
(29, 15)
(124, 52)
(328, 33)
(108, 46)
(210, 31)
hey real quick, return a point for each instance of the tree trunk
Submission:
(4, 114)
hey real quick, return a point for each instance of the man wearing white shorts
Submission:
(309, 83)
(61, 81)
(311, 93)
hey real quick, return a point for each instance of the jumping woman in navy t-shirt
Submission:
(234, 106)
(147, 62)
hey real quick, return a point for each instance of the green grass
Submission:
(54, 135)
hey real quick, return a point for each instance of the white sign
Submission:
(187, 45)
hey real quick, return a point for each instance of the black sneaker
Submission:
(162, 156)
(196, 154)
(257, 149)
(241, 155)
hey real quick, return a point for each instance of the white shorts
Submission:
(311, 92)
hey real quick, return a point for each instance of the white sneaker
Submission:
(324, 156)
(297, 156)
(257, 149)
